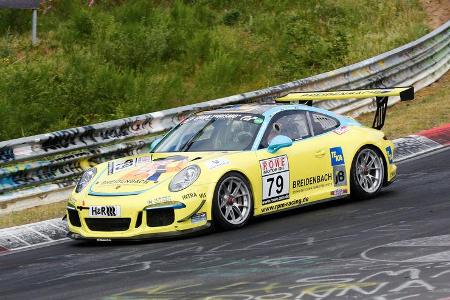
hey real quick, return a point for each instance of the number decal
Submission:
(339, 177)
(279, 184)
(270, 179)
(275, 179)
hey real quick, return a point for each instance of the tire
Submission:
(367, 173)
(233, 202)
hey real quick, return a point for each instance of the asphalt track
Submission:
(396, 246)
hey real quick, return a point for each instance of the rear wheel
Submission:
(233, 201)
(367, 173)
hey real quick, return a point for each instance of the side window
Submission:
(322, 123)
(293, 124)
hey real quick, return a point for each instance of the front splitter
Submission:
(150, 236)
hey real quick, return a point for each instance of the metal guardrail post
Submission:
(34, 28)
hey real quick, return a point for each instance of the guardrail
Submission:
(41, 169)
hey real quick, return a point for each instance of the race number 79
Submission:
(275, 187)
(278, 184)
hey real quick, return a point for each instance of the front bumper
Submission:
(392, 174)
(134, 222)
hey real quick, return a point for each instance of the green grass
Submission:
(123, 58)
(34, 214)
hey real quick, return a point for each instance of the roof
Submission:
(268, 110)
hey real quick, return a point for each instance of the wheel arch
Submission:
(379, 152)
(249, 184)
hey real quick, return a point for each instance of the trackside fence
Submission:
(43, 168)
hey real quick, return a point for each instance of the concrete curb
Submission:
(52, 231)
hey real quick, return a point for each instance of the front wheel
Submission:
(367, 173)
(232, 202)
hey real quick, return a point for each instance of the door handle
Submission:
(320, 153)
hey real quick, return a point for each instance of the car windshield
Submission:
(212, 132)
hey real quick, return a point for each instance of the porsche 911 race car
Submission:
(224, 166)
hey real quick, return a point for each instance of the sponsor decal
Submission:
(104, 211)
(216, 163)
(341, 130)
(349, 93)
(198, 217)
(227, 116)
(158, 200)
(258, 121)
(207, 117)
(339, 192)
(152, 171)
(103, 240)
(275, 179)
(311, 180)
(339, 178)
(311, 183)
(189, 196)
(122, 165)
(337, 157)
(124, 181)
(274, 165)
(249, 118)
(390, 154)
(288, 204)
(338, 163)
(202, 195)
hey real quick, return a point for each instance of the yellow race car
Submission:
(224, 166)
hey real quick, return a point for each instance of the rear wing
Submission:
(381, 99)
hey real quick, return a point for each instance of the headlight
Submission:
(184, 178)
(85, 178)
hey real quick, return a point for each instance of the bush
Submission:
(134, 47)
(14, 21)
(231, 17)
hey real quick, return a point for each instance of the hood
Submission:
(136, 174)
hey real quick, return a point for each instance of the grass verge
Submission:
(34, 214)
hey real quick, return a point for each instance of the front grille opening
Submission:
(138, 220)
(160, 217)
(74, 218)
(108, 224)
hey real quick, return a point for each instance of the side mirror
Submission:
(278, 142)
(154, 143)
